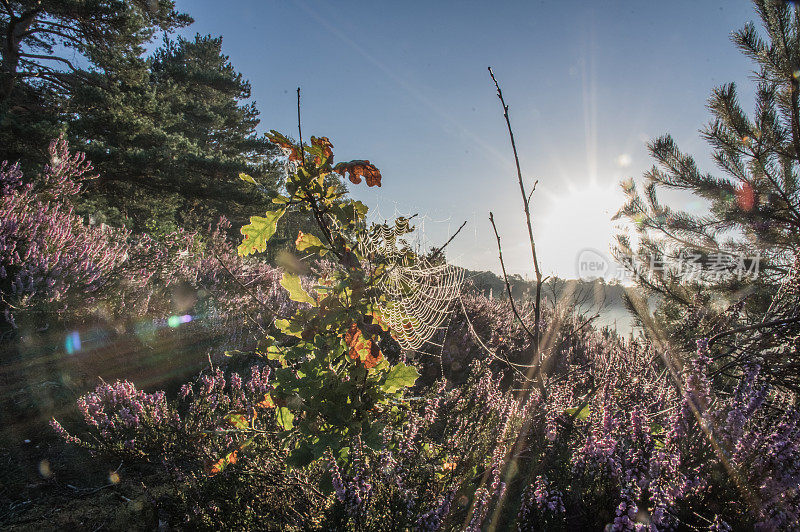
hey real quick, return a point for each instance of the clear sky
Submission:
(405, 85)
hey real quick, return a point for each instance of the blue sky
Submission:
(405, 85)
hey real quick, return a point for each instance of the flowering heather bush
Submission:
(237, 297)
(53, 262)
(639, 455)
(616, 444)
(421, 476)
(540, 506)
(494, 324)
(313, 430)
(215, 443)
(47, 253)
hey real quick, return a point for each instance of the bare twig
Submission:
(526, 207)
(507, 283)
(247, 290)
(50, 58)
(535, 366)
(439, 250)
(319, 216)
(300, 130)
(513, 365)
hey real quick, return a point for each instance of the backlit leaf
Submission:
(267, 402)
(357, 169)
(291, 283)
(291, 328)
(248, 178)
(222, 463)
(258, 232)
(307, 241)
(580, 416)
(237, 420)
(284, 418)
(400, 376)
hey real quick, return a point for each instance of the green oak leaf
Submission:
(284, 418)
(307, 241)
(237, 420)
(258, 232)
(291, 283)
(583, 414)
(248, 178)
(300, 456)
(400, 376)
(292, 328)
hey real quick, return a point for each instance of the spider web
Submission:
(418, 293)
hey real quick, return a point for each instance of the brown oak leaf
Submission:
(326, 146)
(358, 345)
(357, 169)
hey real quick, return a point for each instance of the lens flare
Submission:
(177, 321)
(72, 344)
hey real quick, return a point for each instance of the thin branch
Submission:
(526, 206)
(535, 366)
(52, 77)
(776, 323)
(299, 129)
(794, 94)
(56, 24)
(508, 284)
(439, 250)
(533, 189)
(513, 365)
(70, 38)
(319, 215)
(51, 58)
(242, 285)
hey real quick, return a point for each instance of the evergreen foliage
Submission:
(169, 133)
(52, 48)
(753, 219)
(172, 147)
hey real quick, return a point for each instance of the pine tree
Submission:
(170, 149)
(692, 261)
(169, 134)
(50, 48)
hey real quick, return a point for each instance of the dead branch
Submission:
(440, 248)
(526, 207)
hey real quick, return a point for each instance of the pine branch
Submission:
(757, 326)
(50, 58)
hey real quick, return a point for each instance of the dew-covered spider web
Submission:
(418, 292)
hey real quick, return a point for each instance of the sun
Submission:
(578, 219)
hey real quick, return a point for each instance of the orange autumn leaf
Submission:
(357, 169)
(378, 320)
(374, 356)
(746, 197)
(352, 333)
(267, 402)
(448, 466)
(294, 153)
(223, 462)
(355, 340)
(286, 145)
(325, 145)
